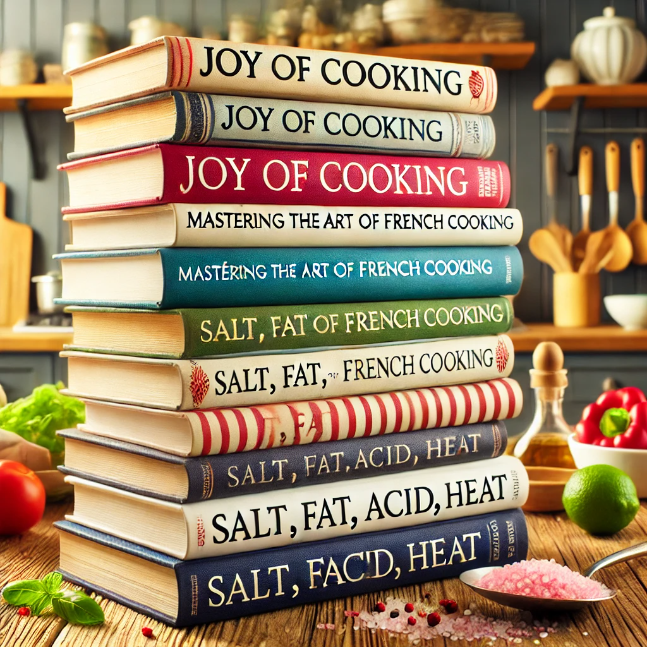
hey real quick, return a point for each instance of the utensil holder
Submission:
(576, 300)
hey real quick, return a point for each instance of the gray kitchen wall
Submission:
(522, 134)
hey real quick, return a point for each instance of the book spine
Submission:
(283, 72)
(223, 588)
(309, 513)
(262, 379)
(195, 278)
(197, 174)
(223, 431)
(224, 331)
(248, 121)
(254, 225)
(218, 477)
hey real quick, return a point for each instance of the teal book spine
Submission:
(204, 278)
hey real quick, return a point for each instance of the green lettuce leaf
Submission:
(40, 415)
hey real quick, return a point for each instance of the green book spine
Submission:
(210, 332)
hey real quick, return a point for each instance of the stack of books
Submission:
(289, 328)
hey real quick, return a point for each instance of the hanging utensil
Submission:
(546, 248)
(637, 229)
(620, 242)
(599, 251)
(585, 185)
(562, 234)
(530, 603)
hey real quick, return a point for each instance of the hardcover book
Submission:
(253, 225)
(229, 430)
(215, 278)
(222, 67)
(192, 332)
(303, 514)
(241, 380)
(163, 173)
(216, 120)
(186, 480)
(213, 589)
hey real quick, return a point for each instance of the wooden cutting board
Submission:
(15, 266)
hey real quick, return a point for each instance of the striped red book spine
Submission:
(223, 431)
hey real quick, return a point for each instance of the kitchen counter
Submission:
(594, 340)
(32, 342)
(600, 339)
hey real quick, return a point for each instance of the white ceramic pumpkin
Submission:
(610, 50)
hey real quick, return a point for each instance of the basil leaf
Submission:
(24, 593)
(78, 608)
(52, 582)
(40, 605)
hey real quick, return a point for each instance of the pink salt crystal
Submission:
(543, 579)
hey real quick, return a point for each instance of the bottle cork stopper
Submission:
(548, 366)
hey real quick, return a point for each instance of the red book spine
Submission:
(220, 175)
(215, 175)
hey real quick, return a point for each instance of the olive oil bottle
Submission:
(545, 442)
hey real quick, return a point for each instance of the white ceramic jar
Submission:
(82, 42)
(561, 72)
(17, 67)
(610, 50)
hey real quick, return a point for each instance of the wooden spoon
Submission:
(637, 229)
(585, 185)
(599, 251)
(562, 234)
(620, 242)
(546, 248)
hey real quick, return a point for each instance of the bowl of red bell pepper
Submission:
(613, 431)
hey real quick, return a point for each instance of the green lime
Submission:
(601, 499)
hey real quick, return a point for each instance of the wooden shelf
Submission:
(39, 96)
(501, 56)
(32, 342)
(600, 339)
(562, 97)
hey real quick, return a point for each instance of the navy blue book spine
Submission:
(211, 590)
(227, 277)
(226, 475)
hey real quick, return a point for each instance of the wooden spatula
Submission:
(585, 185)
(545, 247)
(15, 266)
(562, 234)
(622, 248)
(637, 229)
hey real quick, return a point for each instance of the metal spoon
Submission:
(530, 603)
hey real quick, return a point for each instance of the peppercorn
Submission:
(24, 611)
(380, 606)
(408, 607)
(147, 631)
(411, 620)
(395, 613)
(433, 619)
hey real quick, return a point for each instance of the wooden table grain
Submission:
(619, 623)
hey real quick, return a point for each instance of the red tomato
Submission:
(22, 498)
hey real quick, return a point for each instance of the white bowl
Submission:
(629, 310)
(631, 461)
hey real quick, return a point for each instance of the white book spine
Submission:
(326, 126)
(311, 513)
(251, 225)
(260, 379)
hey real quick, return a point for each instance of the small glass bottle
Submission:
(545, 443)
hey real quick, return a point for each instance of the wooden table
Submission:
(619, 623)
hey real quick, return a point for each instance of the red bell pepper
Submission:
(616, 419)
